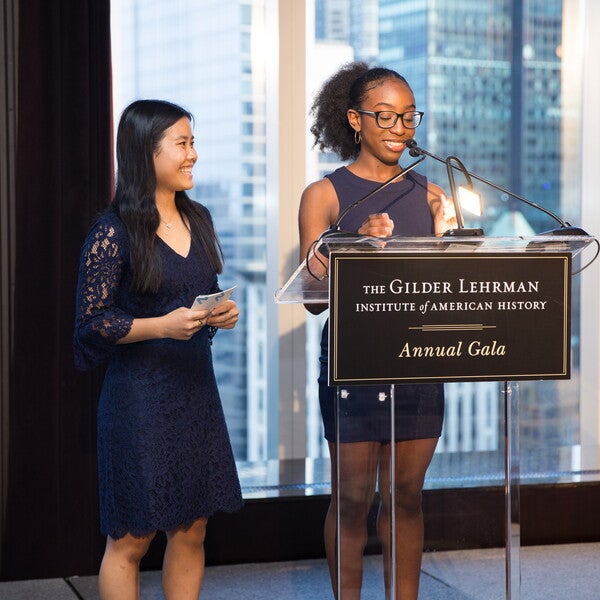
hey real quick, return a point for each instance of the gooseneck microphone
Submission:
(565, 228)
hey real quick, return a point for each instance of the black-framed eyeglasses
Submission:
(386, 119)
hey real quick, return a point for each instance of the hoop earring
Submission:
(357, 137)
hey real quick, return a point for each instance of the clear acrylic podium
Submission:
(311, 283)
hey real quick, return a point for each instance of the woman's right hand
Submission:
(377, 225)
(182, 323)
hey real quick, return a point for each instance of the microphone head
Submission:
(413, 148)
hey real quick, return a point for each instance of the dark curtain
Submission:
(63, 178)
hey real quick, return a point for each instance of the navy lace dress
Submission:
(164, 455)
(364, 413)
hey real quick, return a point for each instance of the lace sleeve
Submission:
(99, 323)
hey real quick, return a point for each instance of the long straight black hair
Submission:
(141, 128)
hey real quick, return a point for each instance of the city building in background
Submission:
(487, 75)
(201, 55)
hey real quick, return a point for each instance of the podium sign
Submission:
(407, 317)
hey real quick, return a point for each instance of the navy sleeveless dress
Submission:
(164, 454)
(365, 410)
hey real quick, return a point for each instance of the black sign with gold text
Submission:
(410, 317)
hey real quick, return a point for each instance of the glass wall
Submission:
(490, 77)
(499, 81)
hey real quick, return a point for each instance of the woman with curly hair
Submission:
(366, 115)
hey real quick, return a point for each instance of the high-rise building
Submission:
(332, 20)
(199, 54)
(487, 75)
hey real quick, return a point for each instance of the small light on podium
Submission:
(470, 200)
(467, 200)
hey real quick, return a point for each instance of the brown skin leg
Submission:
(412, 460)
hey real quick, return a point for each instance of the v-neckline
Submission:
(184, 257)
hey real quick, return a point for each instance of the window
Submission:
(213, 59)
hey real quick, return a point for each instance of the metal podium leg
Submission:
(338, 535)
(512, 508)
(392, 492)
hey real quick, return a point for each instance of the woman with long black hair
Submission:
(164, 455)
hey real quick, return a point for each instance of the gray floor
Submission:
(566, 572)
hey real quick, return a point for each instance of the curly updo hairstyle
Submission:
(345, 89)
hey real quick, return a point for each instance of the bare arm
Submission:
(180, 324)
(319, 207)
